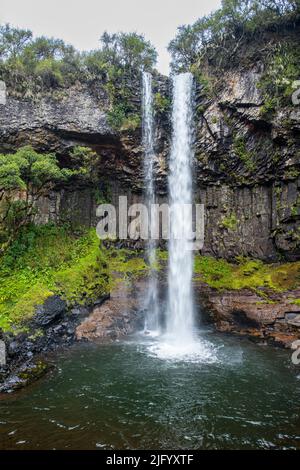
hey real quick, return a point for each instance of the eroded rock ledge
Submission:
(275, 320)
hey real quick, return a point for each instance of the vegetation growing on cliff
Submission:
(247, 274)
(125, 264)
(31, 66)
(239, 148)
(26, 176)
(276, 83)
(219, 35)
(244, 273)
(50, 260)
(230, 222)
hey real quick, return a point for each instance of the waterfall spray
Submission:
(180, 312)
(151, 320)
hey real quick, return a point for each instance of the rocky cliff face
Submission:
(247, 156)
(246, 162)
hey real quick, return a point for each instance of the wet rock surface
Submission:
(118, 316)
(275, 319)
(52, 327)
(52, 309)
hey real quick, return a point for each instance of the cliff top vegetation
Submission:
(218, 36)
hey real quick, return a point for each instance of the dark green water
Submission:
(122, 396)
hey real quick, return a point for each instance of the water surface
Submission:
(127, 395)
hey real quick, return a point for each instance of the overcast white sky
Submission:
(81, 22)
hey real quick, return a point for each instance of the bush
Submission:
(162, 103)
(27, 175)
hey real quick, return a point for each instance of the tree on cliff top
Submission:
(51, 63)
(233, 20)
(128, 50)
(119, 55)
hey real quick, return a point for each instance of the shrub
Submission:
(161, 103)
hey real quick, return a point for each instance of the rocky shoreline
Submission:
(54, 327)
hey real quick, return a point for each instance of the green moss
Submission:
(125, 264)
(50, 260)
(25, 307)
(37, 334)
(32, 373)
(295, 301)
(85, 281)
(230, 222)
(162, 255)
(245, 273)
(248, 274)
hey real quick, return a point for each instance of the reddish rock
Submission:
(116, 317)
(246, 313)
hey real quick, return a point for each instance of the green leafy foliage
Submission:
(84, 162)
(234, 20)
(120, 60)
(162, 104)
(240, 150)
(276, 84)
(230, 222)
(27, 175)
(31, 65)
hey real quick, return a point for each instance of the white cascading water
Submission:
(180, 341)
(180, 312)
(151, 320)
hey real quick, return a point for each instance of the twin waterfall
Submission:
(180, 311)
(151, 321)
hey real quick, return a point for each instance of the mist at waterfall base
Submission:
(177, 339)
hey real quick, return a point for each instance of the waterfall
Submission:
(151, 320)
(181, 341)
(180, 311)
